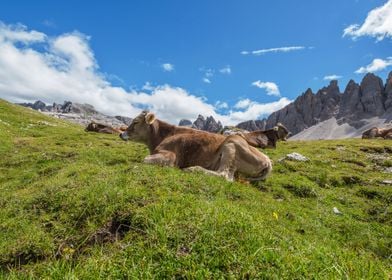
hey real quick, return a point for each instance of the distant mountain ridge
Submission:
(78, 113)
(354, 107)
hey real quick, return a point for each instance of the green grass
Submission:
(80, 205)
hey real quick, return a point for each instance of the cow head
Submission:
(282, 132)
(139, 129)
(91, 127)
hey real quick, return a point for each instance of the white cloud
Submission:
(274, 50)
(206, 80)
(208, 74)
(225, 70)
(378, 23)
(256, 110)
(243, 104)
(270, 87)
(18, 33)
(64, 68)
(332, 77)
(377, 64)
(167, 67)
(221, 105)
(148, 86)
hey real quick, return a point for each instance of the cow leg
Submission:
(250, 161)
(203, 170)
(162, 158)
(227, 166)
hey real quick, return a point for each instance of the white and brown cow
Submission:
(196, 150)
(376, 132)
(267, 138)
(103, 128)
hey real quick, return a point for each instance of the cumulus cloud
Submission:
(274, 50)
(221, 105)
(208, 74)
(34, 67)
(206, 80)
(243, 104)
(255, 110)
(332, 77)
(378, 24)
(225, 70)
(376, 65)
(167, 67)
(19, 33)
(270, 87)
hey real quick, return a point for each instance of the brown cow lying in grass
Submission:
(267, 138)
(102, 128)
(196, 150)
(376, 132)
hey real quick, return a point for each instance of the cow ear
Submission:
(276, 128)
(150, 118)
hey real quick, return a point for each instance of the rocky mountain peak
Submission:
(333, 84)
(206, 124)
(368, 99)
(372, 95)
(388, 95)
(253, 125)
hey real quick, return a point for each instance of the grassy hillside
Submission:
(83, 205)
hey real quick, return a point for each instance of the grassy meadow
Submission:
(80, 205)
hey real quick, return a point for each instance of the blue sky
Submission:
(194, 52)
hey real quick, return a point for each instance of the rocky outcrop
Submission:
(358, 102)
(185, 122)
(123, 119)
(209, 124)
(372, 96)
(388, 96)
(78, 113)
(253, 125)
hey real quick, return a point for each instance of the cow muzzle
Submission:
(124, 136)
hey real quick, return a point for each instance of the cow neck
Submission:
(159, 131)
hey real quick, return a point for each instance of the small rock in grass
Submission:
(336, 211)
(296, 157)
(388, 170)
(387, 182)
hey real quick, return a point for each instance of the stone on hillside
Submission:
(296, 157)
(336, 211)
